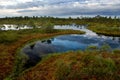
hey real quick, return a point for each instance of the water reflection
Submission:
(48, 41)
(117, 39)
(89, 33)
(72, 42)
(14, 27)
(32, 46)
(65, 43)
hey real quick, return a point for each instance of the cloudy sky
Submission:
(59, 8)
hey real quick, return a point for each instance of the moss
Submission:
(74, 66)
(116, 51)
(62, 71)
(105, 30)
(8, 37)
(75, 62)
(15, 41)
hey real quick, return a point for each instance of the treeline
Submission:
(39, 21)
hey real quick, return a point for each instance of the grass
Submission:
(101, 25)
(116, 51)
(75, 65)
(8, 37)
(105, 29)
(91, 64)
(9, 47)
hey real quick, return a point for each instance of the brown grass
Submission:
(75, 66)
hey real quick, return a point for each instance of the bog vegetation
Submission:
(90, 64)
(79, 65)
(99, 24)
(11, 41)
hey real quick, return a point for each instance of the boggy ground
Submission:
(10, 41)
(79, 65)
(105, 30)
(99, 24)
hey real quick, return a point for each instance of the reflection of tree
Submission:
(32, 46)
(48, 27)
(119, 39)
(77, 26)
(43, 41)
(3, 27)
(113, 38)
(32, 24)
(49, 41)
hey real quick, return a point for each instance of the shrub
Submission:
(92, 48)
(48, 27)
(21, 59)
(116, 51)
(32, 24)
(98, 67)
(63, 71)
(105, 48)
(7, 37)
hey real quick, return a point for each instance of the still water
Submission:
(65, 43)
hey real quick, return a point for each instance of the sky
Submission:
(59, 8)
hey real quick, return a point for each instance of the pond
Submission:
(65, 43)
(15, 27)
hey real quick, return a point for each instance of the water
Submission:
(65, 43)
(68, 42)
(15, 27)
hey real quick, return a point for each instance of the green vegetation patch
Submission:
(77, 65)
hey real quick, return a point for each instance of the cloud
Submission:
(5, 2)
(26, 5)
(1, 6)
(60, 7)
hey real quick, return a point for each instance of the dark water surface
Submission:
(65, 43)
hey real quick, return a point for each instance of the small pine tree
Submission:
(48, 27)
(31, 24)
